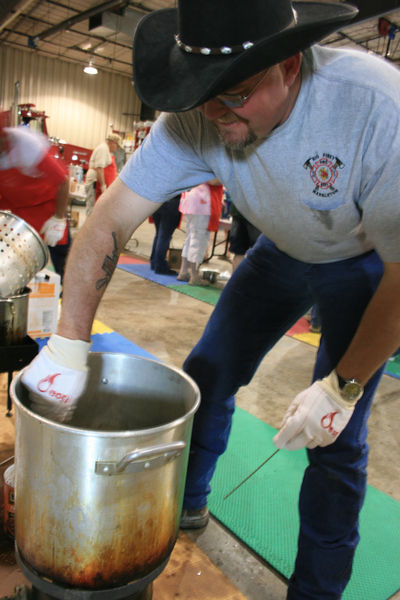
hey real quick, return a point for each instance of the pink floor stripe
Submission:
(128, 260)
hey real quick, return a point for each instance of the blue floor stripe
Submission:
(110, 342)
(143, 270)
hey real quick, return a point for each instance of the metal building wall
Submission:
(80, 107)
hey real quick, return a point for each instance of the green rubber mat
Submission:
(204, 293)
(210, 295)
(263, 511)
(393, 366)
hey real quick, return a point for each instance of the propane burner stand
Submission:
(45, 589)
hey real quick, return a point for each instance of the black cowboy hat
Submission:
(185, 56)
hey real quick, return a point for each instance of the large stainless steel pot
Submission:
(98, 501)
(14, 318)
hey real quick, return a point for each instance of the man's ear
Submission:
(291, 68)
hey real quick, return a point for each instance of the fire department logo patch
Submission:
(324, 172)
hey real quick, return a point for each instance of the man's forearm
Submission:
(91, 263)
(378, 334)
(94, 256)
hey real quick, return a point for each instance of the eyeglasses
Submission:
(238, 100)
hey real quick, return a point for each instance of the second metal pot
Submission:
(14, 318)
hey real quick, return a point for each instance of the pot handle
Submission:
(141, 460)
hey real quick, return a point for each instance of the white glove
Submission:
(316, 417)
(57, 377)
(53, 230)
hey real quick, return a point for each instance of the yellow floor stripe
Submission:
(309, 338)
(99, 327)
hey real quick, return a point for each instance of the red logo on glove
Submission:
(327, 421)
(45, 386)
(49, 380)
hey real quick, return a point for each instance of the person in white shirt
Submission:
(102, 169)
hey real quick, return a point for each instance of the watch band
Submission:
(350, 389)
(342, 382)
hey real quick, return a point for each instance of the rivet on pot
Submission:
(104, 380)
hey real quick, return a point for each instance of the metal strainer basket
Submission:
(22, 253)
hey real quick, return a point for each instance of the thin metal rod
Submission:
(6, 461)
(251, 474)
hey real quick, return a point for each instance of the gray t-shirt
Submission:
(324, 185)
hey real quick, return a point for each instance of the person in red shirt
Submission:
(217, 192)
(34, 186)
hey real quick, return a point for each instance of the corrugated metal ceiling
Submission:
(78, 30)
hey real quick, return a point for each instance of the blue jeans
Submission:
(265, 296)
(59, 255)
(166, 220)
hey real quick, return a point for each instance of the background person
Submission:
(34, 186)
(166, 219)
(318, 182)
(201, 207)
(102, 169)
(242, 236)
(195, 205)
(217, 196)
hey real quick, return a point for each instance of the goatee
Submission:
(238, 145)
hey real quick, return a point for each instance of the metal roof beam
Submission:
(11, 10)
(76, 19)
(370, 9)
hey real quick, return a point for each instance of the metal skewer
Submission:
(251, 474)
(6, 460)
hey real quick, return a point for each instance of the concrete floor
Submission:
(167, 324)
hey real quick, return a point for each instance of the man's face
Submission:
(267, 107)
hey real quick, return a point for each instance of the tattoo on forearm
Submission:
(108, 266)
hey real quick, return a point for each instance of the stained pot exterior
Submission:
(78, 520)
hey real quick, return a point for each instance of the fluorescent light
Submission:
(86, 45)
(90, 69)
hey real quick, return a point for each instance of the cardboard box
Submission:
(174, 257)
(74, 218)
(77, 217)
(43, 303)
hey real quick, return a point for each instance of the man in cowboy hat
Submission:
(299, 134)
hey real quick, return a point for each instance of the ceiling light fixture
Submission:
(90, 69)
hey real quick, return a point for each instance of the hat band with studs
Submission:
(206, 51)
(223, 49)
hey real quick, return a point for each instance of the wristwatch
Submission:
(350, 389)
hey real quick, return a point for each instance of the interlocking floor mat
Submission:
(143, 270)
(393, 366)
(205, 293)
(210, 295)
(263, 511)
(106, 340)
